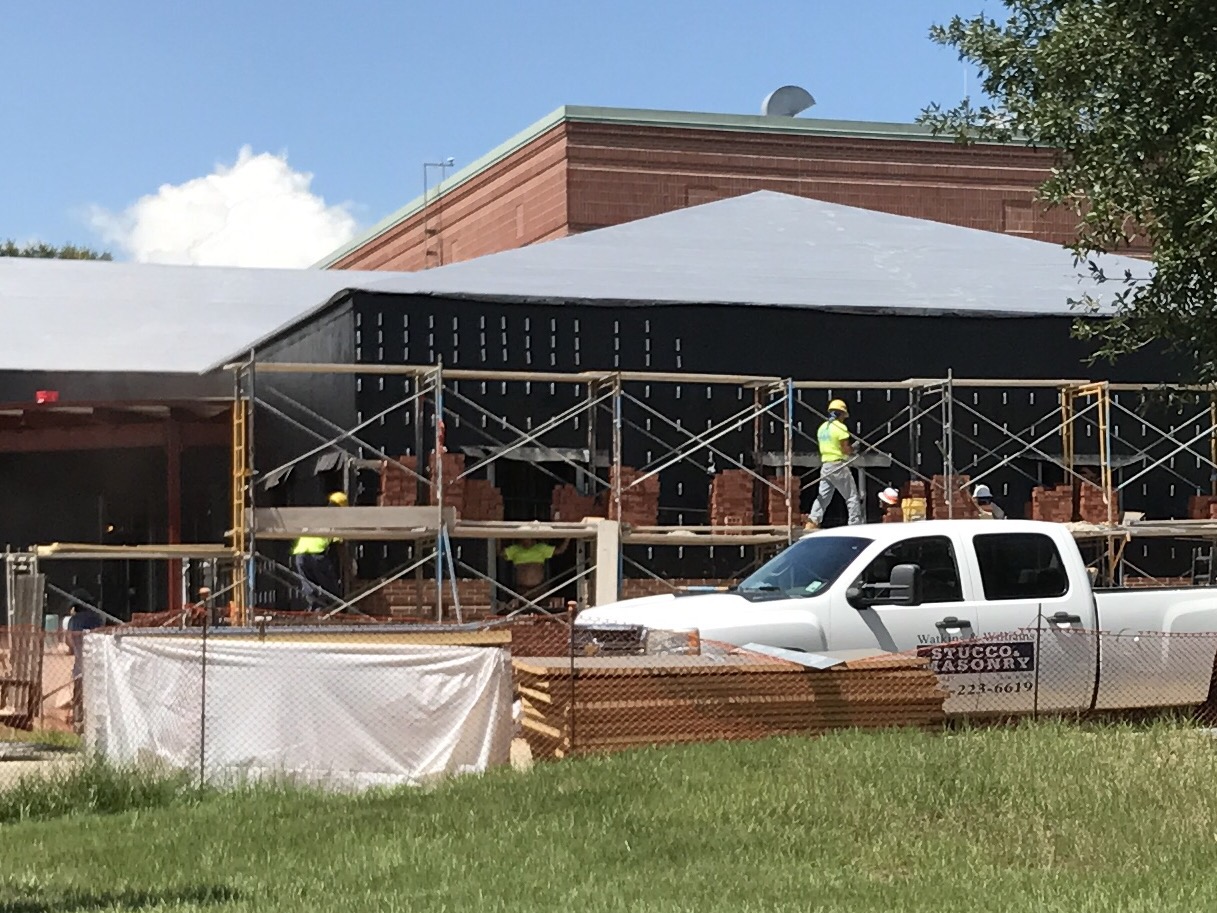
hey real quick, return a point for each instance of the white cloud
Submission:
(256, 212)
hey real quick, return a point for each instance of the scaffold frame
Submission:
(939, 403)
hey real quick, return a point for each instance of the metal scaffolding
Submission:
(580, 426)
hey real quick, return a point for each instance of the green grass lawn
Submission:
(1038, 818)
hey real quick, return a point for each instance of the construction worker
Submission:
(889, 498)
(315, 565)
(528, 557)
(986, 505)
(836, 447)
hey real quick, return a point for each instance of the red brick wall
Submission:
(518, 201)
(635, 587)
(400, 598)
(580, 176)
(620, 173)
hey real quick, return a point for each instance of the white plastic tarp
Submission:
(339, 715)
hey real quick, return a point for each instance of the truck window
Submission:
(1020, 566)
(934, 555)
(806, 568)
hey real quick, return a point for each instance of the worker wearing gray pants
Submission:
(835, 474)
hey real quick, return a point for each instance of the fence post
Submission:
(205, 598)
(1035, 694)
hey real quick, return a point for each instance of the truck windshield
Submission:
(807, 567)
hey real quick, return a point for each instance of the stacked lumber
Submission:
(617, 703)
(731, 498)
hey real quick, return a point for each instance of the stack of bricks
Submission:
(398, 488)
(636, 587)
(1055, 505)
(777, 515)
(914, 490)
(400, 599)
(453, 485)
(568, 505)
(894, 514)
(1091, 506)
(482, 501)
(731, 498)
(1141, 583)
(961, 507)
(1202, 507)
(639, 502)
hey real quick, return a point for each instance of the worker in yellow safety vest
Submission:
(528, 557)
(315, 565)
(836, 447)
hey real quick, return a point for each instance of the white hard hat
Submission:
(890, 497)
(982, 491)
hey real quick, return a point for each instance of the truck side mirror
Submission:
(902, 588)
(905, 585)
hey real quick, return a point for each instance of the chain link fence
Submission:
(355, 704)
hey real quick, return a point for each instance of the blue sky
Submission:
(106, 102)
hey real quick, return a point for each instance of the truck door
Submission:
(1039, 627)
(947, 611)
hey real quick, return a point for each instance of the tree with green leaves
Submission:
(43, 251)
(1125, 92)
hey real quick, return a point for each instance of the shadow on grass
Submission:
(73, 901)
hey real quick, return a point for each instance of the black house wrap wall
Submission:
(800, 343)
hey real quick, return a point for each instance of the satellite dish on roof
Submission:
(787, 102)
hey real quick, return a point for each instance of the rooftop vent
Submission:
(787, 101)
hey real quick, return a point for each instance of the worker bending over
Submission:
(313, 559)
(988, 508)
(836, 447)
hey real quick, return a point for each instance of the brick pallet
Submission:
(962, 507)
(628, 702)
(776, 514)
(568, 505)
(453, 486)
(1054, 505)
(397, 487)
(1091, 506)
(1202, 507)
(639, 502)
(633, 587)
(482, 501)
(731, 493)
(1140, 583)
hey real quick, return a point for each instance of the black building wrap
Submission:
(803, 344)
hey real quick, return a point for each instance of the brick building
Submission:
(584, 168)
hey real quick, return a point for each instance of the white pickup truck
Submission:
(1004, 611)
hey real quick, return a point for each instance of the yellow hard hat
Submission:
(338, 499)
(838, 405)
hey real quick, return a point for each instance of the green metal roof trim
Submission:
(639, 117)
